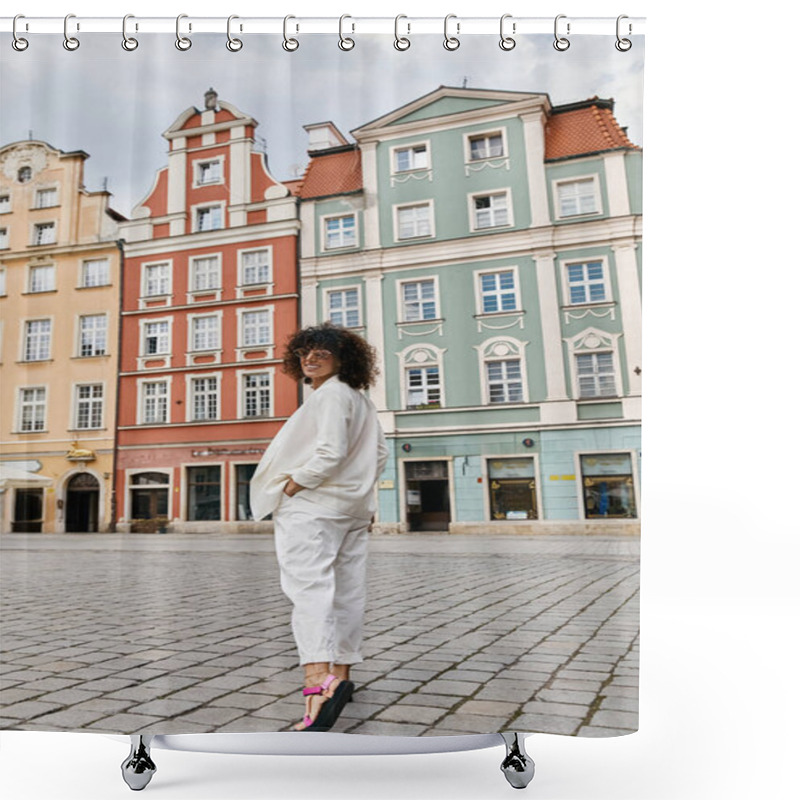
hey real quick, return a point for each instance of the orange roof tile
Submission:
(293, 186)
(582, 128)
(333, 173)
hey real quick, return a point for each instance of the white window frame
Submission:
(79, 336)
(198, 165)
(596, 375)
(29, 288)
(24, 340)
(502, 348)
(270, 267)
(146, 266)
(420, 356)
(37, 227)
(593, 340)
(141, 400)
(93, 402)
(325, 219)
(191, 393)
(193, 260)
(85, 263)
(479, 293)
(394, 169)
(485, 134)
(3, 289)
(343, 289)
(396, 209)
(6, 208)
(41, 191)
(21, 405)
(4, 241)
(473, 210)
(242, 376)
(191, 332)
(199, 207)
(143, 337)
(557, 183)
(401, 306)
(242, 313)
(565, 282)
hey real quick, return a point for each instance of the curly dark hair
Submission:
(358, 358)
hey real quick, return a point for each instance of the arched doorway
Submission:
(83, 503)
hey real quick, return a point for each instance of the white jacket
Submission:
(333, 445)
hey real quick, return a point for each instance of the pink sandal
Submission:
(333, 705)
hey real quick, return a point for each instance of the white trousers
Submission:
(322, 555)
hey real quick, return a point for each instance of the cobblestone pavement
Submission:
(189, 633)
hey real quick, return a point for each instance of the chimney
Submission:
(323, 136)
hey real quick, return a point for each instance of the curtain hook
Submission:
(561, 43)
(18, 43)
(290, 45)
(401, 42)
(451, 42)
(183, 43)
(71, 43)
(129, 43)
(507, 42)
(623, 45)
(346, 43)
(233, 44)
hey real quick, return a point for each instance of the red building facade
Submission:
(210, 294)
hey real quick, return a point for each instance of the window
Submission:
(608, 489)
(46, 198)
(24, 174)
(344, 308)
(256, 267)
(256, 328)
(154, 402)
(504, 381)
(512, 488)
(205, 398)
(414, 221)
(42, 279)
(486, 145)
(209, 172)
(244, 473)
(577, 197)
(149, 495)
(156, 338)
(586, 283)
(204, 493)
(95, 272)
(37, 340)
(490, 210)
(208, 219)
(596, 375)
(5, 203)
(410, 158)
(257, 388)
(89, 406)
(44, 233)
(32, 406)
(94, 330)
(206, 274)
(156, 280)
(2, 281)
(422, 387)
(498, 292)
(205, 333)
(419, 301)
(3, 238)
(340, 232)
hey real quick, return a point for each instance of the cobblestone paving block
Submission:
(29, 709)
(381, 728)
(422, 715)
(475, 723)
(489, 708)
(105, 705)
(457, 688)
(70, 718)
(556, 709)
(564, 696)
(360, 711)
(615, 719)
(616, 703)
(246, 702)
(166, 707)
(392, 684)
(591, 732)
(68, 697)
(245, 724)
(199, 693)
(543, 723)
(212, 716)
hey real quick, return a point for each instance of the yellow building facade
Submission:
(59, 312)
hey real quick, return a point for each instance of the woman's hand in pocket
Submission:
(291, 488)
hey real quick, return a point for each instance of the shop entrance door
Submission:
(83, 502)
(427, 496)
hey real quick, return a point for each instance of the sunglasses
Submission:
(319, 355)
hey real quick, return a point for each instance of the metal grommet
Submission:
(290, 45)
(623, 45)
(183, 43)
(233, 44)
(507, 42)
(70, 42)
(128, 42)
(401, 42)
(451, 42)
(345, 42)
(18, 43)
(561, 43)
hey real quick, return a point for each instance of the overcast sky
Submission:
(115, 105)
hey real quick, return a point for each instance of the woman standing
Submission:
(317, 478)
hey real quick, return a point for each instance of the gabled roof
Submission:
(582, 128)
(330, 172)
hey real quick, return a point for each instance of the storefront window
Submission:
(149, 495)
(608, 490)
(28, 511)
(512, 488)
(244, 472)
(204, 493)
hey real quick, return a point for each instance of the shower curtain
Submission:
(170, 215)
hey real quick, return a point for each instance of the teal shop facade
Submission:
(488, 244)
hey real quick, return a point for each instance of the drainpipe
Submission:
(113, 525)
